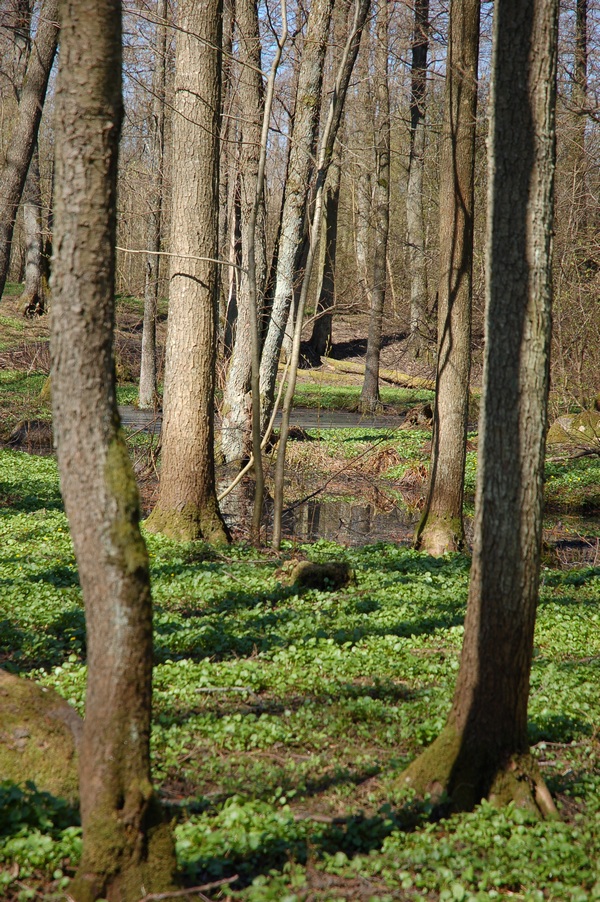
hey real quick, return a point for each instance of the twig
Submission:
(177, 894)
(347, 466)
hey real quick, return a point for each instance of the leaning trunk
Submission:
(483, 750)
(441, 528)
(127, 847)
(187, 504)
(25, 130)
(306, 121)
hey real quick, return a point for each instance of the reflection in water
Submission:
(338, 520)
(568, 541)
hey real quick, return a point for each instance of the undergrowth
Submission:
(282, 718)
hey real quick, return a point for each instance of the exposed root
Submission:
(458, 779)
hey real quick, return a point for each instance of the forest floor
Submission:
(283, 717)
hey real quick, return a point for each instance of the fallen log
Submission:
(393, 376)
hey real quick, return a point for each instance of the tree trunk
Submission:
(24, 133)
(369, 397)
(320, 340)
(187, 504)
(483, 750)
(580, 115)
(415, 217)
(35, 295)
(326, 144)
(127, 847)
(441, 528)
(306, 121)
(236, 424)
(148, 377)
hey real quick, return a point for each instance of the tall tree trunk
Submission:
(37, 271)
(187, 504)
(483, 750)
(127, 847)
(148, 377)
(236, 424)
(300, 166)
(370, 390)
(364, 157)
(24, 133)
(415, 216)
(580, 114)
(320, 340)
(441, 528)
(326, 144)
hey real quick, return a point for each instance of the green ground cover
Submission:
(283, 718)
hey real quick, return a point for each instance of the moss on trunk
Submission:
(104, 872)
(458, 777)
(189, 524)
(437, 534)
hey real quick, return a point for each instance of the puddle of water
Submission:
(569, 541)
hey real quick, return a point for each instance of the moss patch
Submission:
(39, 735)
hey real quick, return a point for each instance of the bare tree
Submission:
(483, 751)
(300, 167)
(37, 270)
(187, 504)
(128, 849)
(370, 390)
(25, 129)
(237, 418)
(320, 340)
(326, 144)
(148, 377)
(441, 528)
(415, 217)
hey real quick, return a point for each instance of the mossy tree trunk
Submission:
(441, 528)
(483, 750)
(187, 505)
(127, 847)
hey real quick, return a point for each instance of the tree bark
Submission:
(187, 505)
(483, 750)
(319, 343)
(236, 423)
(580, 115)
(369, 397)
(304, 132)
(148, 375)
(24, 133)
(415, 218)
(37, 271)
(441, 528)
(326, 144)
(127, 847)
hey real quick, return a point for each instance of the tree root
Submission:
(457, 778)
